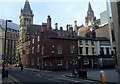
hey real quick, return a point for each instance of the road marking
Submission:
(69, 80)
(15, 80)
(53, 80)
(38, 75)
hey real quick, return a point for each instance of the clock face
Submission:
(91, 29)
(89, 23)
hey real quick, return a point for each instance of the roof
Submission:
(89, 7)
(103, 31)
(83, 30)
(64, 38)
(95, 38)
(32, 29)
(62, 33)
(26, 9)
(9, 25)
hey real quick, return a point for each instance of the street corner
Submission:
(70, 75)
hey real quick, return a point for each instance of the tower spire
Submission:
(26, 9)
(27, 1)
(89, 7)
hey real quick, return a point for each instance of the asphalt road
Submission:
(32, 77)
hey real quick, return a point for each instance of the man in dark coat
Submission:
(21, 65)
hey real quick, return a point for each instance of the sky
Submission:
(62, 12)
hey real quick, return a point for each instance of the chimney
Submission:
(71, 31)
(61, 28)
(67, 27)
(49, 23)
(75, 26)
(56, 26)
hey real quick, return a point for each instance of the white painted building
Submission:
(89, 50)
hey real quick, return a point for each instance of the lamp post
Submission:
(3, 69)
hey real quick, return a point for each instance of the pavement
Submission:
(8, 80)
(94, 75)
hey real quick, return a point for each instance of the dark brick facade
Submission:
(57, 49)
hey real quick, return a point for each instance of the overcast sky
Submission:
(63, 12)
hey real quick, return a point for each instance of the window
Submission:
(45, 63)
(93, 50)
(42, 50)
(80, 42)
(92, 43)
(86, 42)
(27, 61)
(38, 38)
(107, 51)
(27, 51)
(72, 49)
(38, 48)
(38, 61)
(86, 50)
(32, 40)
(59, 49)
(32, 62)
(102, 51)
(51, 62)
(59, 62)
(32, 49)
(80, 50)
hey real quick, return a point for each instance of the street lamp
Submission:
(3, 69)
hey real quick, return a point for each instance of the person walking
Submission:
(21, 65)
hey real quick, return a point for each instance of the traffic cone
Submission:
(102, 77)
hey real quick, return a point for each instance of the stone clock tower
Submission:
(26, 19)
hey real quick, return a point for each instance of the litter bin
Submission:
(82, 73)
(4, 73)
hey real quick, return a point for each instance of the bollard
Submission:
(102, 77)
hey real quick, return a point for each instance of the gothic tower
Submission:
(90, 19)
(26, 18)
(90, 22)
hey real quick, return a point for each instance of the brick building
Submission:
(50, 49)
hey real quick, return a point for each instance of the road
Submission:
(33, 77)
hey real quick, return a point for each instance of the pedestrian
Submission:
(21, 65)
